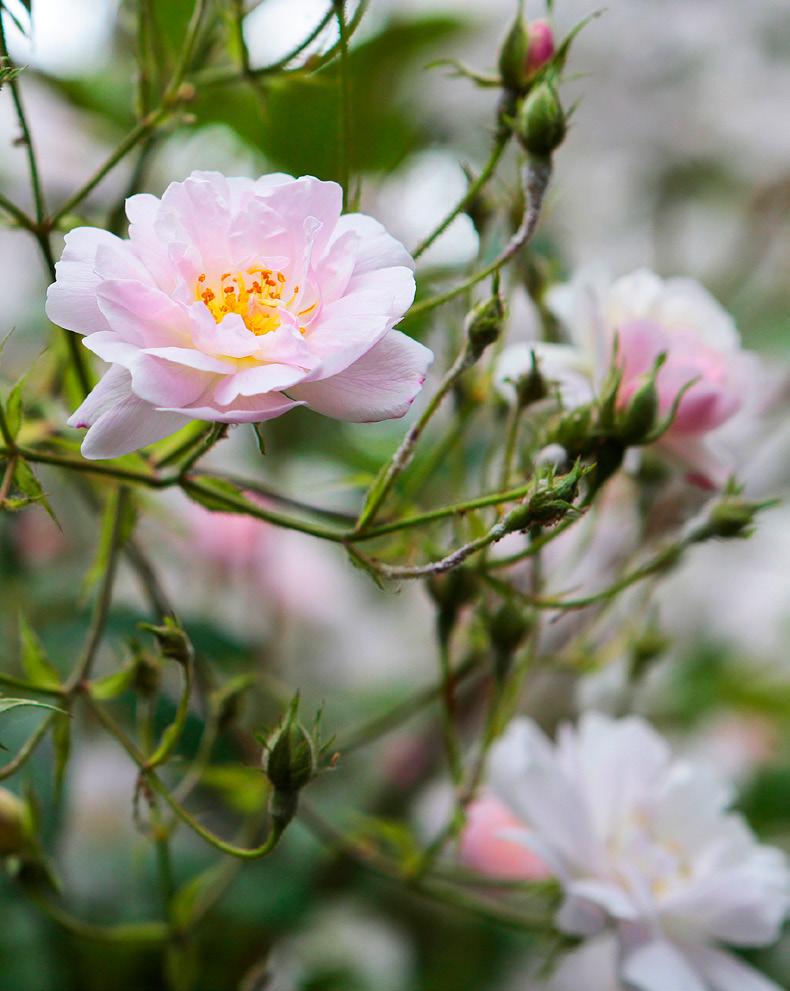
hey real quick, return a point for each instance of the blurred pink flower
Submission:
(541, 45)
(649, 316)
(291, 570)
(486, 847)
(38, 538)
(234, 300)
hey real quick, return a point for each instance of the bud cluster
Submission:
(551, 500)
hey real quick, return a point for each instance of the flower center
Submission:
(256, 295)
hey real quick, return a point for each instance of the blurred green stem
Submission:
(243, 853)
(346, 130)
(403, 455)
(535, 180)
(473, 191)
(28, 748)
(82, 670)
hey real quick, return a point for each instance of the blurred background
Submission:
(678, 159)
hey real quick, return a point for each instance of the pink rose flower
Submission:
(649, 316)
(234, 300)
(486, 847)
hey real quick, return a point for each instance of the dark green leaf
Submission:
(13, 408)
(30, 487)
(6, 704)
(35, 663)
(258, 427)
(113, 685)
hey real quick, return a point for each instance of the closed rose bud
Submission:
(639, 417)
(541, 46)
(508, 628)
(514, 55)
(540, 124)
(484, 325)
(290, 763)
(173, 640)
(13, 824)
(732, 518)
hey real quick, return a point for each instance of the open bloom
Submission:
(643, 844)
(649, 316)
(235, 300)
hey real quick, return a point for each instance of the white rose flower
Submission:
(644, 845)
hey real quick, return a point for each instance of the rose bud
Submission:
(13, 824)
(541, 46)
(540, 124)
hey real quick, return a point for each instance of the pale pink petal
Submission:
(127, 426)
(71, 299)
(372, 247)
(110, 348)
(143, 315)
(351, 326)
(659, 966)
(142, 210)
(257, 381)
(485, 848)
(380, 385)
(724, 972)
(580, 917)
(193, 359)
(252, 409)
(304, 198)
(166, 383)
(230, 338)
(112, 388)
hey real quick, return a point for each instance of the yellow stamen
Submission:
(258, 303)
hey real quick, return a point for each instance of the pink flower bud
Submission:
(541, 45)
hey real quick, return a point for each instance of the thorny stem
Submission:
(397, 714)
(243, 853)
(27, 138)
(403, 455)
(444, 564)
(535, 180)
(345, 101)
(28, 748)
(474, 189)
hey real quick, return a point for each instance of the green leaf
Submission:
(258, 427)
(6, 704)
(189, 895)
(35, 663)
(30, 487)
(113, 685)
(243, 788)
(13, 408)
(182, 965)
(359, 562)
(7, 73)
